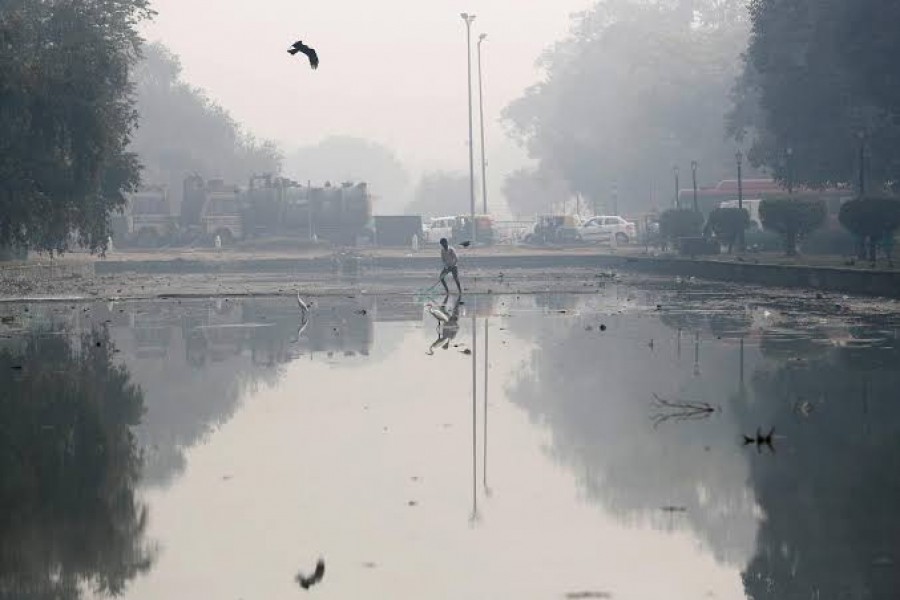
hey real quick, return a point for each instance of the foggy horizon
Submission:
(394, 73)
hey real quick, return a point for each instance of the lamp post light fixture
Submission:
(468, 19)
(694, 177)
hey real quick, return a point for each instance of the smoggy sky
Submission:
(393, 71)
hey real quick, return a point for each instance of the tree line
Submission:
(805, 88)
(88, 111)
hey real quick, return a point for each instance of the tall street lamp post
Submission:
(739, 158)
(862, 164)
(468, 20)
(677, 186)
(790, 170)
(481, 38)
(694, 177)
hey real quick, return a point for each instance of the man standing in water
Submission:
(448, 255)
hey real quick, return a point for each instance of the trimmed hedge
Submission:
(792, 217)
(873, 220)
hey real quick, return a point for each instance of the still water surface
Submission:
(588, 445)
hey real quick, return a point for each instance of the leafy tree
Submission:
(344, 158)
(636, 88)
(532, 191)
(66, 117)
(441, 194)
(727, 224)
(181, 131)
(69, 516)
(872, 220)
(678, 223)
(793, 217)
(822, 77)
(868, 43)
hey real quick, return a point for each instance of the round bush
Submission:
(794, 217)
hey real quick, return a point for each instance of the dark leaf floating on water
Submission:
(585, 595)
(316, 577)
(299, 46)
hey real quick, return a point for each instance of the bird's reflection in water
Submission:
(447, 317)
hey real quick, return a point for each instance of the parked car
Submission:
(554, 229)
(437, 228)
(603, 228)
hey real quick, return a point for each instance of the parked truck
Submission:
(148, 219)
(269, 206)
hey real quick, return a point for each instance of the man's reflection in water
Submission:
(447, 323)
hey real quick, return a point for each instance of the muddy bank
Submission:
(823, 278)
(485, 271)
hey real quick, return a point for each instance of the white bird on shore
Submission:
(304, 309)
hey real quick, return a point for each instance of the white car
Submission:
(604, 228)
(439, 227)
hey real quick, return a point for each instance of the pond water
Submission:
(652, 439)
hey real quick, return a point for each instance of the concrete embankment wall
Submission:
(835, 279)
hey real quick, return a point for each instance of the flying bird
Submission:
(465, 244)
(299, 46)
(316, 577)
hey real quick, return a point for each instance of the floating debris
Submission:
(669, 410)
(761, 440)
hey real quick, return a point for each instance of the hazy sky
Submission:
(392, 71)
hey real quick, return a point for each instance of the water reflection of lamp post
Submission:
(484, 442)
(677, 186)
(473, 518)
(696, 354)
